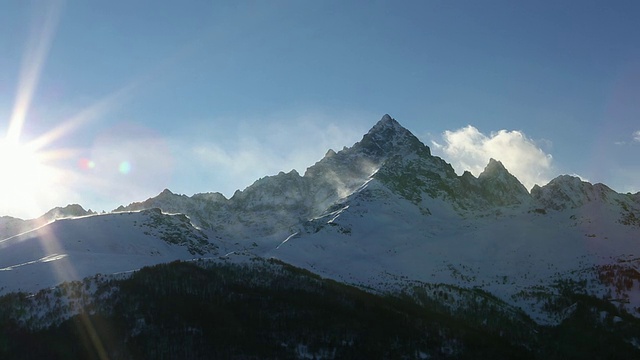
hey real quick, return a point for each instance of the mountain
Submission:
(74, 248)
(69, 211)
(275, 204)
(10, 226)
(386, 208)
(569, 192)
(384, 215)
(388, 151)
(500, 186)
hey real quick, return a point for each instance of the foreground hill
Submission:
(71, 249)
(270, 310)
(10, 226)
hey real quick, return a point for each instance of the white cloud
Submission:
(636, 136)
(469, 149)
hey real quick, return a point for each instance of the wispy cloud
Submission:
(246, 153)
(635, 138)
(124, 164)
(130, 162)
(469, 149)
(580, 177)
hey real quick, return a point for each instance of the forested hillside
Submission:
(187, 310)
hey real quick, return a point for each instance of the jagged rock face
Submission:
(200, 208)
(568, 192)
(416, 178)
(280, 191)
(176, 229)
(10, 226)
(174, 203)
(284, 200)
(500, 187)
(419, 177)
(71, 210)
(387, 138)
(339, 174)
(390, 154)
(332, 178)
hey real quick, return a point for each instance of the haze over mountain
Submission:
(379, 214)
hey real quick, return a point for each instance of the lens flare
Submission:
(25, 174)
(86, 164)
(34, 58)
(125, 167)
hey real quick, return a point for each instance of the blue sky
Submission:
(201, 96)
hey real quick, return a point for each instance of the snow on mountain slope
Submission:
(568, 192)
(10, 226)
(72, 249)
(377, 238)
(500, 186)
(274, 204)
(383, 213)
(386, 210)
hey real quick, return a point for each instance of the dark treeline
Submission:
(271, 310)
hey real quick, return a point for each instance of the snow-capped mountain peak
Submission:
(71, 210)
(567, 191)
(388, 138)
(500, 186)
(493, 169)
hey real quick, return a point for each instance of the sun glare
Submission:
(23, 174)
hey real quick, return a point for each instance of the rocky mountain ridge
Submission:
(10, 226)
(392, 154)
(382, 214)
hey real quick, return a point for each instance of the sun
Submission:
(24, 176)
